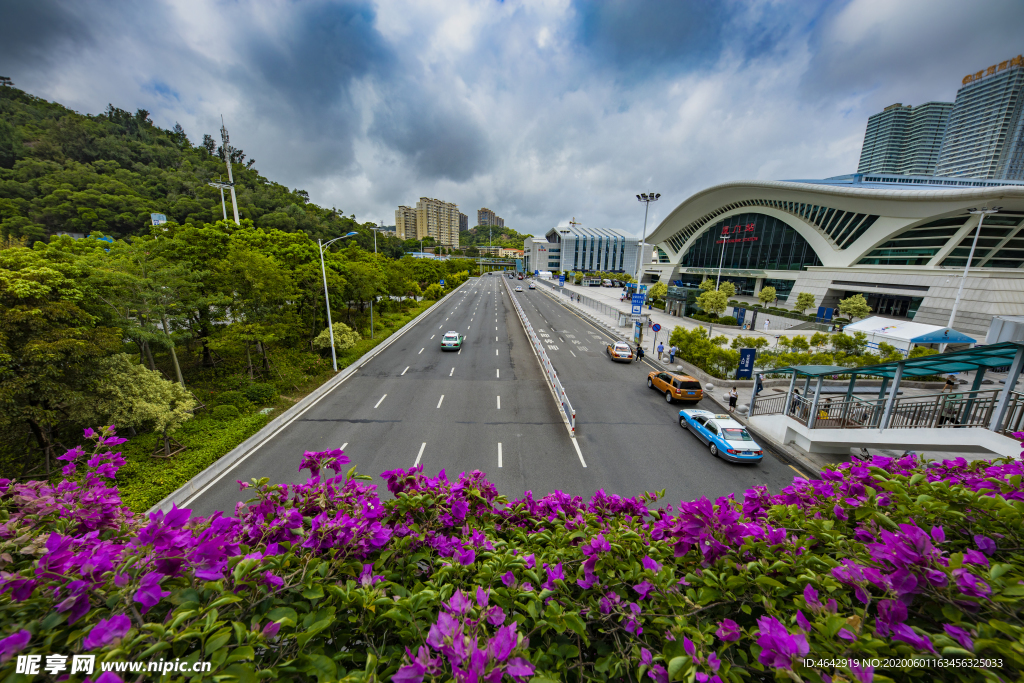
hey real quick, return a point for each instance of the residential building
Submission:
(581, 249)
(405, 223)
(510, 253)
(904, 139)
(492, 250)
(488, 217)
(985, 134)
(463, 222)
(901, 241)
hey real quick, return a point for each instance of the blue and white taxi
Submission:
(725, 437)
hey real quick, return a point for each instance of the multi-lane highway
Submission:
(488, 407)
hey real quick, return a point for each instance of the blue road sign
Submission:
(656, 327)
(740, 314)
(638, 300)
(442, 282)
(637, 309)
(561, 281)
(746, 368)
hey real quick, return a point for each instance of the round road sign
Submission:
(656, 327)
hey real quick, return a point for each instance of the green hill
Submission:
(504, 237)
(61, 171)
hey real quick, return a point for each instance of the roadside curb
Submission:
(213, 473)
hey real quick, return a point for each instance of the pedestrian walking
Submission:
(661, 349)
(639, 352)
(766, 323)
(732, 399)
(672, 354)
(950, 384)
(760, 384)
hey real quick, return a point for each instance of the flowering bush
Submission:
(449, 580)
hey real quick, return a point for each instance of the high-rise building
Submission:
(904, 139)
(405, 223)
(463, 222)
(985, 134)
(438, 219)
(488, 217)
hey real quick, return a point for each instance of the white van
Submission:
(606, 283)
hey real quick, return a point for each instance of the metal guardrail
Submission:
(545, 362)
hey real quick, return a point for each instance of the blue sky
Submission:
(541, 110)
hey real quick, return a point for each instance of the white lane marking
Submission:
(578, 452)
(495, 328)
(573, 354)
(498, 372)
(420, 454)
(344, 445)
(499, 403)
(381, 400)
(495, 352)
(439, 400)
(468, 326)
(459, 353)
(499, 454)
(495, 337)
(452, 372)
(432, 336)
(440, 326)
(420, 351)
(559, 339)
(406, 370)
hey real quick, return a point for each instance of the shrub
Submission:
(344, 338)
(433, 292)
(261, 393)
(225, 412)
(890, 561)
(233, 398)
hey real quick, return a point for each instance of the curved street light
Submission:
(327, 298)
(646, 198)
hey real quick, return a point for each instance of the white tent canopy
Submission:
(903, 334)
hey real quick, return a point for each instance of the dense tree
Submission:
(855, 306)
(767, 295)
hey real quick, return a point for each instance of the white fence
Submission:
(545, 362)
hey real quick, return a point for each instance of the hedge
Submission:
(893, 570)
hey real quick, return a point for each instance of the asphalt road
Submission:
(629, 436)
(487, 407)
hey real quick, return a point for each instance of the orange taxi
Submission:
(676, 387)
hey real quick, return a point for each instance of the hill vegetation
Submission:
(502, 237)
(94, 329)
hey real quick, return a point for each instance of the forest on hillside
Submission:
(180, 331)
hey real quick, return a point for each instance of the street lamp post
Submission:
(981, 213)
(375, 259)
(646, 199)
(327, 298)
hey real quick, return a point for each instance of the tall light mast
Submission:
(227, 159)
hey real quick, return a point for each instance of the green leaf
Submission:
(322, 667)
(768, 582)
(1016, 589)
(285, 616)
(314, 592)
(217, 640)
(675, 666)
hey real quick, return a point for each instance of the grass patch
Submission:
(145, 481)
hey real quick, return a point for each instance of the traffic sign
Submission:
(656, 327)
(638, 300)
(636, 310)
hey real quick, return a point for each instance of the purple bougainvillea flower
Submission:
(109, 677)
(482, 598)
(658, 674)
(971, 585)
(846, 634)
(531, 561)
(106, 631)
(651, 564)
(519, 668)
(911, 637)
(688, 646)
(839, 512)
(495, 616)
(728, 630)
(938, 534)
(778, 645)
(509, 579)
(985, 544)
(974, 557)
(150, 593)
(714, 662)
(270, 629)
(459, 602)
(503, 642)
(811, 597)
(643, 588)
(460, 509)
(554, 574)
(936, 578)
(961, 636)
(13, 644)
(645, 656)
(367, 578)
(410, 673)
(466, 557)
(863, 674)
(801, 621)
(527, 586)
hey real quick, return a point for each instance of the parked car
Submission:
(452, 341)
(606, 283)
(676, 387)
(725, 437)
(620, 352)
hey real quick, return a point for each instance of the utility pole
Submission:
(220, 184)
(231, 178)
(327, 298)
(646, 199)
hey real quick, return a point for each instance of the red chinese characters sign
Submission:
(737, 233)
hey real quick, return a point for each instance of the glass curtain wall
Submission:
(751, 241)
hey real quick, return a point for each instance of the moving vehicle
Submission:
(520, 276)
(725, 437)
(606, 283)
(676, 387)
(620, 352)
(452, 341)
(519, 288)
(533, 285)
(544, 274)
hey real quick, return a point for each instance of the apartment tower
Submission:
(488, 217)
(905, 140)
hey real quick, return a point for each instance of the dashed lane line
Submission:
(420, 454)
(381, 400)
(439, 400)
(406, 370)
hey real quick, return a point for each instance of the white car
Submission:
(533, 285)
(726, 437)
(519, 288)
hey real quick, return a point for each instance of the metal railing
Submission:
(584, 300)
(545, 362)
(942, 410)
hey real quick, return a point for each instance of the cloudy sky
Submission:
(542, 110)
